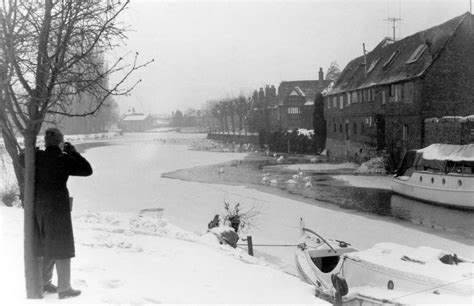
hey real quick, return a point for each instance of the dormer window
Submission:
(416, 54)
(372, 65)
(390, 60)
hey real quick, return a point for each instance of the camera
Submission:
(67, 146)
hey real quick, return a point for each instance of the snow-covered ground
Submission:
(127, 178)
(319, 166)
(142, 259)
(380, 182)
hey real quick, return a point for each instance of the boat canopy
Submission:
(439, 157)
(443, 152)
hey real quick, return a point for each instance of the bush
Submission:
(9, 197)
(284, 141)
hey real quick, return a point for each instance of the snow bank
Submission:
(319, 166)
(375, 165)
(142, 258)
(371, 181)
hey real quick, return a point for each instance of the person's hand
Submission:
(69, 148)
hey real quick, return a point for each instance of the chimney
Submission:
(261, 95)
(273, 91)
(267, 91)
(255, 96)
(321, 74)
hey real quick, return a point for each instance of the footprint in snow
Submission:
(80, 283)
(112, 283)
(152, 300)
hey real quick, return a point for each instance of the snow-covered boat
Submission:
(440, 173)
(388, 273)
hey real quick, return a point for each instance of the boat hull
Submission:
(451, 190)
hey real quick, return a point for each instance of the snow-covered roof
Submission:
(297, 92)
(309, 103)
(135, 117)
(451, 119)
(399, 61)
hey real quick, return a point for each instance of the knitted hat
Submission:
(53, 137)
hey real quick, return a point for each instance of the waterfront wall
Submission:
(241, 139)
(449, 130)
(349, 150)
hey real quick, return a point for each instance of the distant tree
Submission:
(177, 119)
(224, 110)
(242, 110)
(319, 124)
(333, 71)
(231, 112)
(216, 112)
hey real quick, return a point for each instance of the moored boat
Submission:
(440, 173)
(387, 273)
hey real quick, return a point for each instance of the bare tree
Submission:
(52, 55)
(217, 112)
(333, 71)
(242, 109)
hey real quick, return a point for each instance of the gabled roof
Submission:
(297, 92)
(396, 61)
(308, 87)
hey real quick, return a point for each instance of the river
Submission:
(128, 177)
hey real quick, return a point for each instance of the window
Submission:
(293, 110)
(405, 132)
(384, 99)
(340, 128)
(348, 99)
(391, 91)
(390, 59)
(362, 128)
(334, 127)
(372, 65)
(354, 97)
(334, 102)
(396, 92)
(347, 131)
(354, 128)
(416, 54)
(341, 102)
(408, 92)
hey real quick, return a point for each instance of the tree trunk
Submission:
(232, 121)
(34, 283)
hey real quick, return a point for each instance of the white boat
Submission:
(388, 273)
(440, 173)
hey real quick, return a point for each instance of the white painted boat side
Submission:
(444, 189)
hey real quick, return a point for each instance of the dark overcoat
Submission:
(52, 206)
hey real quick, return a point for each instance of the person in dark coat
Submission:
(52, 209)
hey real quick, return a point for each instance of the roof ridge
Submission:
(441, 49)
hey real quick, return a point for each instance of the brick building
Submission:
(292, 107)
(137, 122)
(381, 99)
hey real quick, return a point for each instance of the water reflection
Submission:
(383, 202)
(442, 218)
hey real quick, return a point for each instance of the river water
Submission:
(128, 177)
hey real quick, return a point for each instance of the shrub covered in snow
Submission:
(375, 165)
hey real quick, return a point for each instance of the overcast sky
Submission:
(208, 50)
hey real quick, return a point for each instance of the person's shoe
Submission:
(69, 294)
(50, 288)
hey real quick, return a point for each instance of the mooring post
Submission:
(250, 245)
